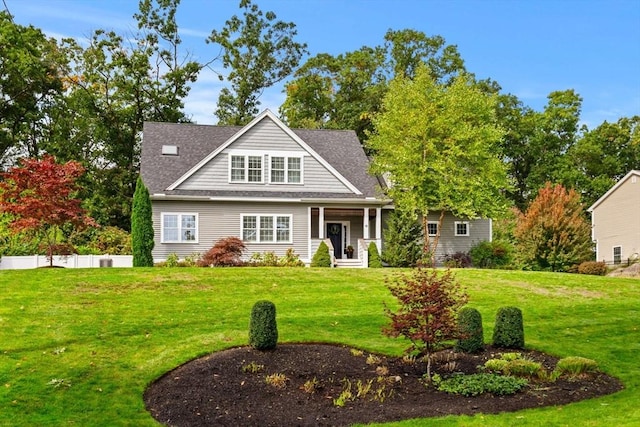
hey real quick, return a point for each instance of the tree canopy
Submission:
(438, 147)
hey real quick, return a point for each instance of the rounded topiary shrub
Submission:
(321, 258)
(263, 330)
(374, 256)
(470, 328)
(509, 328)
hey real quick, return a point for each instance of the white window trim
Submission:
(286, 168)
(275, 229)
(437, 224)
(455, 228)
(613, 252)
(179, 215)
(246, 168)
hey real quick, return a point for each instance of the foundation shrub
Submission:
(321, 258)
(374, 256)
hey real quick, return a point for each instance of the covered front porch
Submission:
(347, 231)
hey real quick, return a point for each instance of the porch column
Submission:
(378, 224)
(321, 223)
(365, 224)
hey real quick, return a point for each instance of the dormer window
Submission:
(246, 168)
(286, 170)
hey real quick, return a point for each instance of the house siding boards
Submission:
(616, 220)
(223, 219)
(449, 243)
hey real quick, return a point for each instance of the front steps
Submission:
(348, 263)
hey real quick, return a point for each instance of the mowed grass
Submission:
(78, 347)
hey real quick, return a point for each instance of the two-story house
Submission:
(274, 187)
(615, 221)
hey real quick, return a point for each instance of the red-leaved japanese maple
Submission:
(428, 306)
(40, 196)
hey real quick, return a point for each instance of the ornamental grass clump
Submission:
(509, 329)
(263, 330)
(575, 366)
(471, 333)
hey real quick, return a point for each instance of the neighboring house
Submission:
(615, 221)
(274, 187)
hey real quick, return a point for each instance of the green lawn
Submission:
(78, 347)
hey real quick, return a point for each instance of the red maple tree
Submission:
(40, 196)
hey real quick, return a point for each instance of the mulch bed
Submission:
(215, 390)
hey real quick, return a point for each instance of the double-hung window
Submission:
(266, 228)
(432, 228)
(286, 170)
(461, 228)
(245, 168)
(617, 254)
(179, 227)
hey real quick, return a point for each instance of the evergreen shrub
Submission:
(374, 256)
(509, 328)
(263, 329)
(470, 328)
(321, 258)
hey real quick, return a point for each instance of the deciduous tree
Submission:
(346, 90)
(553, 233)
(40, 196)
(428, 304)
(438, 147)
(260, 52)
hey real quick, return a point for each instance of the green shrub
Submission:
(263, 329)
(574, 366)
(457, 260)
(476, 384)
(374, 256)
(321, 258)
(290, 259)
(470, 327)
(490, 254)
(509, 329)
(594, 268)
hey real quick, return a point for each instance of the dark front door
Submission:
(334, 233)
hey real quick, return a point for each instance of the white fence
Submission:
(70, 261)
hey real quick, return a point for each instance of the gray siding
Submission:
(449, 243)
(265, 136)
(217, 220)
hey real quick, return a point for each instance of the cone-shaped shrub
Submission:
(263, 330)
(374, 256)
(470, 327)
(321, 258)
(509, 328)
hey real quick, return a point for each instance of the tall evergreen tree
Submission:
(141, 227)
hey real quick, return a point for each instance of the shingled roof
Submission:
(340, 148)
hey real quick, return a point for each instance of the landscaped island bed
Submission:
(81, 346)
(219, 389)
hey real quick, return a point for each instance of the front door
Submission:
(334, 233)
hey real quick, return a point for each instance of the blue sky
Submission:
(530, 48)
